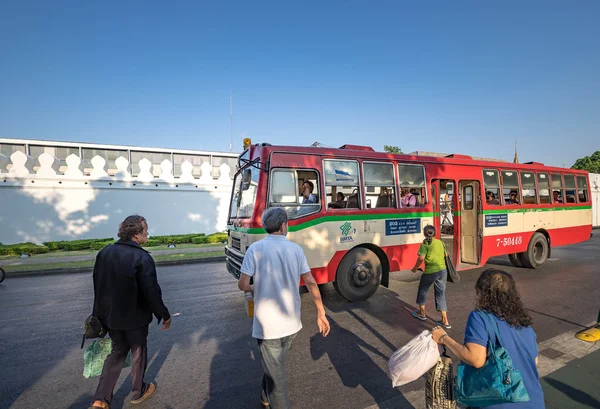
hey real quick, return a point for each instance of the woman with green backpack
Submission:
(499, 354)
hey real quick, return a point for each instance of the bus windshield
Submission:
(244, 193)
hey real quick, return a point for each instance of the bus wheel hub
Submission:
(361, 274)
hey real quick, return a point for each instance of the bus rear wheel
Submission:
(358, 275)
(537, 251)
(515, 260)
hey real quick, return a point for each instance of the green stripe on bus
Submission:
(326, 219)
(553, 209)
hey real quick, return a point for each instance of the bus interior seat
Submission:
(384, 201)
(352, 201)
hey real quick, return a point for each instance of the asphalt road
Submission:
(208, 359)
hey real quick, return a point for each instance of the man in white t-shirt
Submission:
(276, 265)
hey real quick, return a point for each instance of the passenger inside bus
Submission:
(407, 198)
(556, 197)
(307, 193)
(340, 203)
(513, 198)
(490, 199)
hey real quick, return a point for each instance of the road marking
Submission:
(554, 353)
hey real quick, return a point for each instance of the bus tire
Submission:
(358, 275)
(515, 260)
(537, 251)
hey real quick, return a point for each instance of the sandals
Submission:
(447, 326)
(419, 317)
(149, 391)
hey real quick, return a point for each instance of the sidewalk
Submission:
(66, 258)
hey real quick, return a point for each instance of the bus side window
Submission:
(296, 191)
(412, 185)
(492, 187)
(558, 195)
(544, 187)
(380, 184)
(342, 190)
(510, 187)
(528, 188)
(582, 189)
(571, 189)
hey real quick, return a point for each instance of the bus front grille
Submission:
(234, 262)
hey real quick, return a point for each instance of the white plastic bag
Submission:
(414, 359)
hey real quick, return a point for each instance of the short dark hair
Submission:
(497, 294)
(131, 226)
(310, 184)
(341, 194)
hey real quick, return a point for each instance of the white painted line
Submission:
(566, 345)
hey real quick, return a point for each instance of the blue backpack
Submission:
(496, 382)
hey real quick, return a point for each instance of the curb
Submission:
(79, 270)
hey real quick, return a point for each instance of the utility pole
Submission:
(230, 123)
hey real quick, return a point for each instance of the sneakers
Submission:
(150, 388)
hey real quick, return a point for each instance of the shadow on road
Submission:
(353, 365)
(574, 394)
(556, 318)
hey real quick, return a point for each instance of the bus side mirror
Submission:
(246, 179)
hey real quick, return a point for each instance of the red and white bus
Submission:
(375, 226)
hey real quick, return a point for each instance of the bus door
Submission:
(435, 189)
(470, 223)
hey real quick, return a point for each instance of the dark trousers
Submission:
(122, 342)
(272, 357)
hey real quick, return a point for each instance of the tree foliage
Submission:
(589, 163)
(392, 149)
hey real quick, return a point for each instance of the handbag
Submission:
(95, 355)
(453, 276)
(496, 382)
(93, 327)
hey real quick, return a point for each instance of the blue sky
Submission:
(463, 76)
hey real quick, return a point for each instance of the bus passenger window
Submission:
(557, 188)
(582, 189)
(412, 185)
(510, 187)
(296, 191)
(571, 189)
(492, 187)
(341, 176)
(544, 186)
(380, 184)
(528, 188)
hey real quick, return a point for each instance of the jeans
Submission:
(438, 280)
(122, 342)
(274, 384)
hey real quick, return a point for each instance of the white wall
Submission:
(595, 188)
(48, 205)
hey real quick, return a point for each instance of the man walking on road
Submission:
(128, 294)
(276, 265)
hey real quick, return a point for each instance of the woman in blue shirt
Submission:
(497, 294)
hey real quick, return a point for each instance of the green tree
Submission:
(392, 149)
(589, 163)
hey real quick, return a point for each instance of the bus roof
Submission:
(366, 152)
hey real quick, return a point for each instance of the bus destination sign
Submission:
(402, 226)
(496, 220)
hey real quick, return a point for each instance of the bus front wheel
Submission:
(358, 275)
(537, 251)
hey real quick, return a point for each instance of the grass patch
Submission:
(61, 253)
(90, 263)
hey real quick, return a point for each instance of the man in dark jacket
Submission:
(128, 294)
